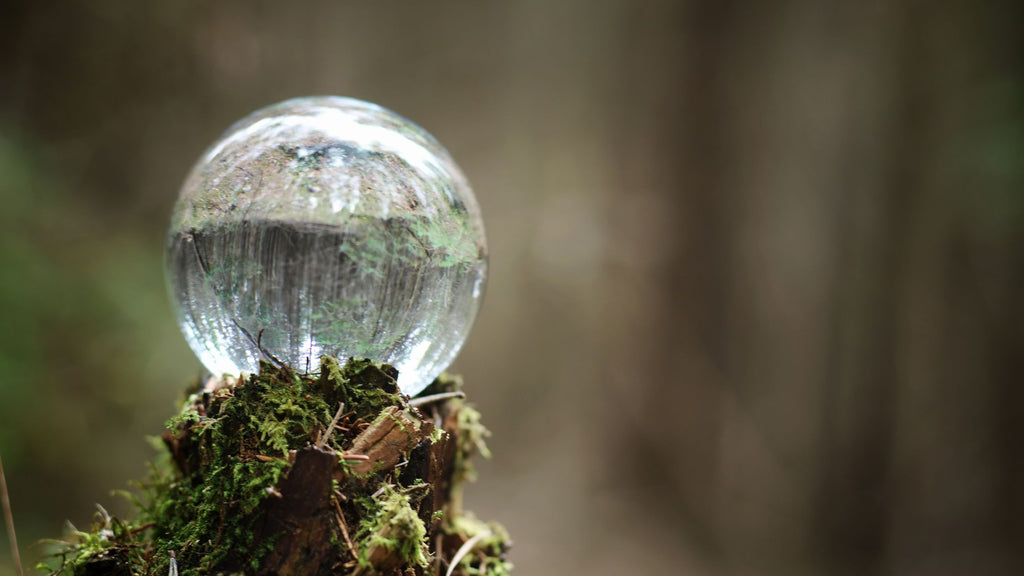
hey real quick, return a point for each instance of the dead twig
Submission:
(142, 528)
(424, 400)
(344, 529)
(330, 429)
(258, 341)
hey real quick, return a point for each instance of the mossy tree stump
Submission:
(287, 474)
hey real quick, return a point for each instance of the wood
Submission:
(300, 518)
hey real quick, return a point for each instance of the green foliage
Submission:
(450, 244)
(110, 543)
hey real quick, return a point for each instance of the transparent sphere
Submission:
(326, 226)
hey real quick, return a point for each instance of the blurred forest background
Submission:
(757, 267)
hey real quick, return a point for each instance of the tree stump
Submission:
(288, 474)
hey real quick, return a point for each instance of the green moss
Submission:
(487, 558)
(472, 435)
(390, 523)
(229, 450)
(243, 443)
(364, 387)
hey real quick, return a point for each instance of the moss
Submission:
(472, 435)
(487, 558)
(244, 439)
(230, 450)
(390, 524)
(363, 387)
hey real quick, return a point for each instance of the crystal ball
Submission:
(326, 226)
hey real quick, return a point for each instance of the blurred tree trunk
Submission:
(820, 297)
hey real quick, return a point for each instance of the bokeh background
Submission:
(757, 267)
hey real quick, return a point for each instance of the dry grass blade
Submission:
(465, 549)
(5, 498)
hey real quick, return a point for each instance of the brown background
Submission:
(755, 303)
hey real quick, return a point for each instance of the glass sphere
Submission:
(326, 226)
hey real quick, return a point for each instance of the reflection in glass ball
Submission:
(326, 226)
